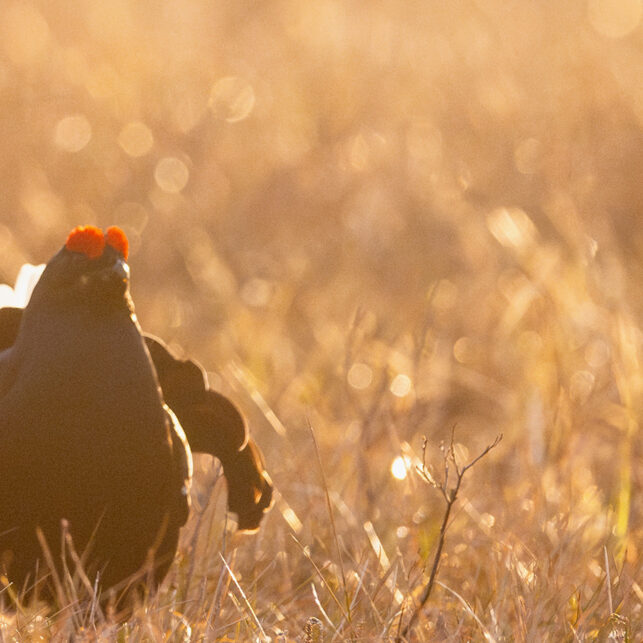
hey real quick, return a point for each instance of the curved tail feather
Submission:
(214, 425)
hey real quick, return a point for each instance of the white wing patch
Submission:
(26, 281)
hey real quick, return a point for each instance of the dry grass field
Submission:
(373, 222)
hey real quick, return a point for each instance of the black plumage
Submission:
(97, 425)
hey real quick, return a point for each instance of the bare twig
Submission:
(450, 496)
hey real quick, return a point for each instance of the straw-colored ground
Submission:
(377, 220)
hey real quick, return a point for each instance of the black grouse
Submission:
(97, 425)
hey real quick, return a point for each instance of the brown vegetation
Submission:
(383, 220)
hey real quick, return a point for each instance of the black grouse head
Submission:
(89, 271)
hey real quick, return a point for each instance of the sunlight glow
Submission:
(400, 467)
(512, 227)
(171, 174)
(72, 133)
(256, 292)
(525, 572)
(401, 385)
(360, 376)
(614, 18)
(136, 139)
(402, 532)
(232, 99)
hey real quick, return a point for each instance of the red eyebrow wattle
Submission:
(116, 238)
(88, 240)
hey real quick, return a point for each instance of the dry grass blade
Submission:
(245, 600)
(322, 611)
(485, 632)
(325, 583)
(49, 559)
(331, 516)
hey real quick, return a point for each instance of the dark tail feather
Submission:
(214, 425)
(249, 487)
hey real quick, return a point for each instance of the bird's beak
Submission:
(121, 269)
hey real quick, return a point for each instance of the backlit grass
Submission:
(372, 222)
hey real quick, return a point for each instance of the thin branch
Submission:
(450, 496)
(493, 445)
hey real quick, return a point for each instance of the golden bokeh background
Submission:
(386, 218)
